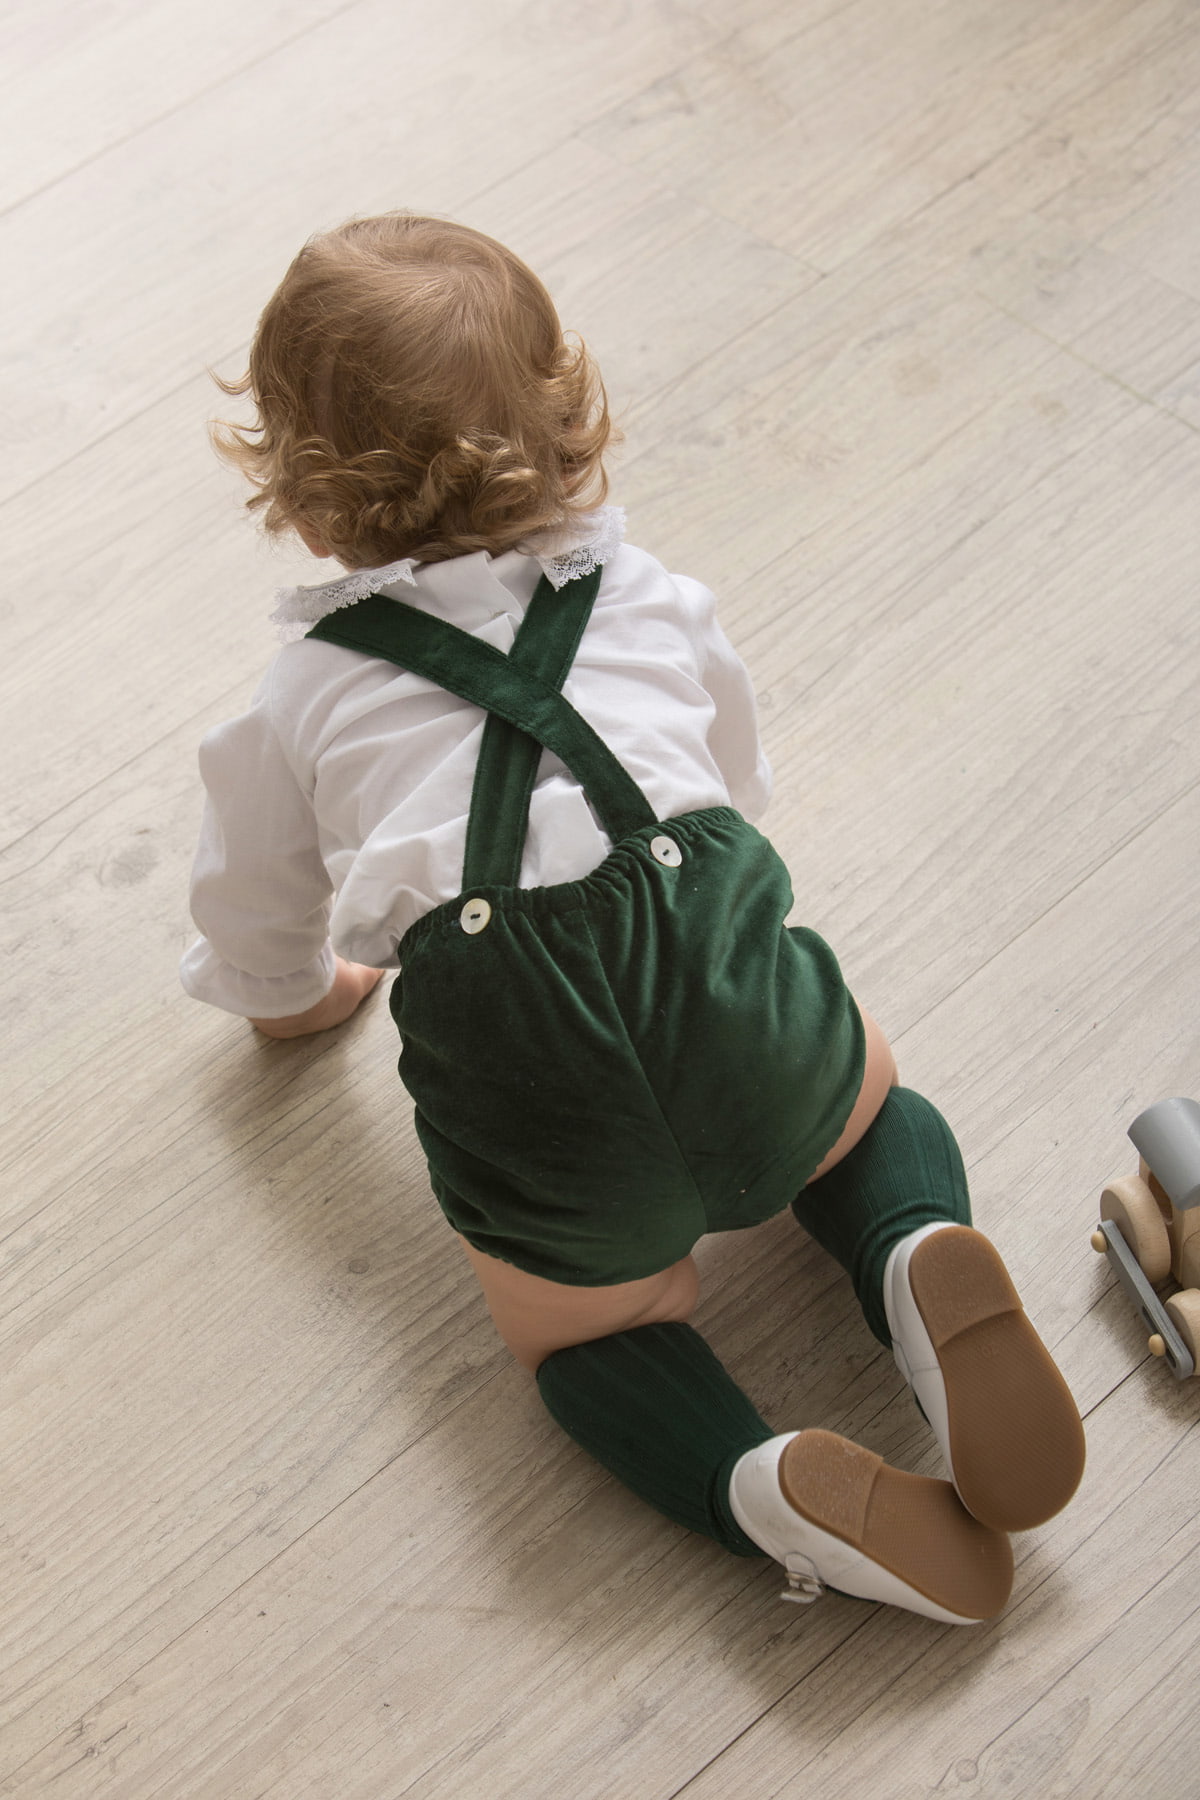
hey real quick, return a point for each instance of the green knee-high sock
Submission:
(662, 1414)
(904, 1173)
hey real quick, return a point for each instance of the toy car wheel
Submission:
(1184, 1309)
(1128, 1202)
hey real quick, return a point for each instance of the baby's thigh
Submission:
(535, 1317)
(879, 1074)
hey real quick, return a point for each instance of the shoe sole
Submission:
(1016, 1439)
(910, 1525)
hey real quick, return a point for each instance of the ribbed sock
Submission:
(904, 1173)
(658, 1410)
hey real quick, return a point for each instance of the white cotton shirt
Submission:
(337, 805)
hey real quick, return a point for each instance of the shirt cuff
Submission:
(207, 977)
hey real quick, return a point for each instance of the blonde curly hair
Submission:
(416, 396)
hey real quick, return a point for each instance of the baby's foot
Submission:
(836, 1515)
(1003, 1415)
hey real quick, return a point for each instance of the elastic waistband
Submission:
(574, 896)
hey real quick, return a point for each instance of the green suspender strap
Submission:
(545, 646)
(520, 692)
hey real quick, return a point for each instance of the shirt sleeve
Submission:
(260, 891)
(733, 735)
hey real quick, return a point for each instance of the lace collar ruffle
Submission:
(563, 557)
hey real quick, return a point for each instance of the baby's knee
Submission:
(535, 1317)
(668, 1298)
(676, 1302)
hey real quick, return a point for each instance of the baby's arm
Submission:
(260, 889)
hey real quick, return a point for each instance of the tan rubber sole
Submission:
(914, 1527)
(1016, 1439)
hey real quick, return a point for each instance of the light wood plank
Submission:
(895, 437)
(1108, 312)
(826, 135)
(79, 78)
(1160, 234)
(999, 698)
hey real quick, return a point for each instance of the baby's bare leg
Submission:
(879, 1074)
(535, 1317)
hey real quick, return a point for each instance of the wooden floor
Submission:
(900, 304)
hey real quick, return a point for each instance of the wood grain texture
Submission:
(829, 130)
(80, 79)
(899, 308)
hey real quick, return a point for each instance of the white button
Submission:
(474, 916)
(666, 851)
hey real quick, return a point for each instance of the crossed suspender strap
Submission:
(520, 692)
(545, 646)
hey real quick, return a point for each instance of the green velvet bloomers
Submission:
(605, 1069)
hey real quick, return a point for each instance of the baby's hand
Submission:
(352, 982)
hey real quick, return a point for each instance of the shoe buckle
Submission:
(804, 1584)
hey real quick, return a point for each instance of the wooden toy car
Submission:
(1150, 1229)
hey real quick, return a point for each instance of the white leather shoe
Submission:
(836, 1515)
(1003, 1415)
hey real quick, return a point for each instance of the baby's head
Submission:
(416, 397)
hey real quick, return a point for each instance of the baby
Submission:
(512, 757)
